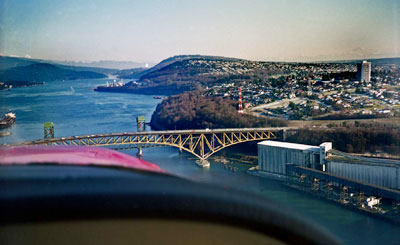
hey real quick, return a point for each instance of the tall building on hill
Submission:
(364, 71)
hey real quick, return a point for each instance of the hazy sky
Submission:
(149, 31)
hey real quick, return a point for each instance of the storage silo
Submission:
(274, 155)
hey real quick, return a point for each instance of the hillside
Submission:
(107, 64)
(12, 62)
(7, 62)
(39, 72)
(177, 58)
(377, 61)
(385, 61)
(193, 72)
(186, 73)
(133, 74)
(191, 110)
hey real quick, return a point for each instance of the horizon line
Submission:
(205, 55)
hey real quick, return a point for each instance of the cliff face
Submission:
(191, 110)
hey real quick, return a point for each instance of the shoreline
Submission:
(156, 90)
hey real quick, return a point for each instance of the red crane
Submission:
(240, 109)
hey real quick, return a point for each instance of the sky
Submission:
(151, 30)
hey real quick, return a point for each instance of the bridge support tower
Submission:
(139, 154)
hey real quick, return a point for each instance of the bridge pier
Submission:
(139, 154)
(203, 163)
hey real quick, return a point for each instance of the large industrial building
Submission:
(274, 155)
(384, 173)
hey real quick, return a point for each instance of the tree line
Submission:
(352, 140)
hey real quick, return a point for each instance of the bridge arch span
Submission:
(200, 143)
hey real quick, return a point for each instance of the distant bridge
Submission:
(201, 143)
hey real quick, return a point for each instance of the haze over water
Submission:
(76, 109)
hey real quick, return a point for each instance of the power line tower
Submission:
(48, 130)
(141, 123)
(141, 126)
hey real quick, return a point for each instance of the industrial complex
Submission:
(367, 184)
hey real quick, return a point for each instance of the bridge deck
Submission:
(163, 132)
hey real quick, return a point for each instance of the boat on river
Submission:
(8, 120)
(5, 134)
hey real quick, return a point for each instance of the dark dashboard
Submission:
(56, 204)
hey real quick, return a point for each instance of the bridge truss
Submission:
(201, 143)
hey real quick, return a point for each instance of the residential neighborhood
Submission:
(304, 91)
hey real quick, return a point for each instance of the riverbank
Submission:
(17, 84)
(165, 90)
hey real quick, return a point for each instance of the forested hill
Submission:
(39, 72)
(364, 138)
(7, 62)
(191, 110)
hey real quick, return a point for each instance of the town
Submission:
(314, 90)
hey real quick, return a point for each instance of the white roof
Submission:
(290, 145)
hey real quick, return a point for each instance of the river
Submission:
(75, 109)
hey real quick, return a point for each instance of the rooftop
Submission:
(290, 145)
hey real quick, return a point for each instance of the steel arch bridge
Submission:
(201, 143)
